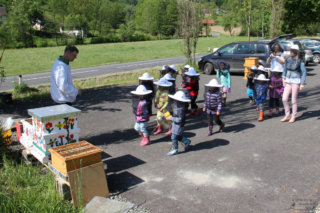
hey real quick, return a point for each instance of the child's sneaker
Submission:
(277, 111)
(198, 112)
(174, 151)
(186, 143)
(270, 112)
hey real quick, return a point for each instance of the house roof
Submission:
(208, 21)
(3, 11)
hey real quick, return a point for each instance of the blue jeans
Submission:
(141, 127)
(175, 139)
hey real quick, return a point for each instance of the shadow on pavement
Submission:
(309, 114)
(124, 162)
(238, 127)
(123, 181)
(207, 145)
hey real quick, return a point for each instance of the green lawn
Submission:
(35, 60)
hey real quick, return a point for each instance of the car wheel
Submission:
(316, 58)
(208, 68)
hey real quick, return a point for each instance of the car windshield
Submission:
(317, 43)
(299, 44)
(287, 45)
(227, 50)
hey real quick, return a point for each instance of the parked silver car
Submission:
(309, 55)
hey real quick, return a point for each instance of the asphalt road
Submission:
(44, 78)
(252, 167)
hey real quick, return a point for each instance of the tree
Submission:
(229, 23)
(190, 25)
(126, 30)
(247, 9)
(276, 15)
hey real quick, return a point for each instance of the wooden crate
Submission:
(74, 156)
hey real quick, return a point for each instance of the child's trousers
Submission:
(193, 102)
(261, 107)
(175, 138)
(141, 127)
(274, 101)
(215, 118)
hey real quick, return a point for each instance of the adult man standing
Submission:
(61, 85)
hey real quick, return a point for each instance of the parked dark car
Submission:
(314, 45)
(235, 54)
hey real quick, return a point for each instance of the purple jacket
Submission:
(213, 102)
(278, 87)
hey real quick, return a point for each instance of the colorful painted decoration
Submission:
(49, 127)
(71, 122)
(59, 125)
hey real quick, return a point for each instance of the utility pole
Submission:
(262, 24)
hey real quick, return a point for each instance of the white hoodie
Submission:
(61, 84)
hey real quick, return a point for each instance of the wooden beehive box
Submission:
(74, 156)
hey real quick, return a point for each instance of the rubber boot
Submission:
(270, 112)
(277, 111)
(174, 151)
(159, 130)
(186, 142)
(198, 112)
(251, 100)
(261, 116)
(222, 126)
(145, 141)
(210, 131)
(169, 132)
(224, 102)
(191, 113)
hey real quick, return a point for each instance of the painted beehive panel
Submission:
(28, 128)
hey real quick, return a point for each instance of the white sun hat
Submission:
(146, 77)
(295, 47)
(192, 72)
(169, 77)
(173, 68)
(165, 67)
(254, 68)
(262, 77)
(185, 67)
(163, 83)
(213, 83)
(141, 90)
(180, 96)
(261, 68)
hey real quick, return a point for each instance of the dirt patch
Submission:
(219, 29)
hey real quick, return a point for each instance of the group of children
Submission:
(258, 85)
(172, 103)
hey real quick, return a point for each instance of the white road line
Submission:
(29, 79)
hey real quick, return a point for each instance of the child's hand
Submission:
(204, 109)
(301, 87)
(161, 109)
(271, 87)
(218, 113)
(158, 106)
(247, 87)
(168, 118)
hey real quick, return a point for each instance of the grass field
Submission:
(35, 60)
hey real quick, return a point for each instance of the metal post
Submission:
(262, 24)
(20, 80)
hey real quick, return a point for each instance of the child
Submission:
(141, 108)
(161, 100)
(178, 121)
(262, 70)
(184, 76)
(276, 88)
(164, 70)
(212, 105)
(147, 81)
(224, 74)
(250, 85)
(172, 90)
(193, 88)
(261, 94)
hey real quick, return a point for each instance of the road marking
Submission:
(29, 79)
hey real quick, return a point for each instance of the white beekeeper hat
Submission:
(185, 67)
(163, 83)
(141, 90)
(169, 77)
(192, 72)
(295, 48)
(262, 77)
(254, 68)
(180, 96)
(146, 77)
(261, 68)
(213, 83)
(164, 67)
